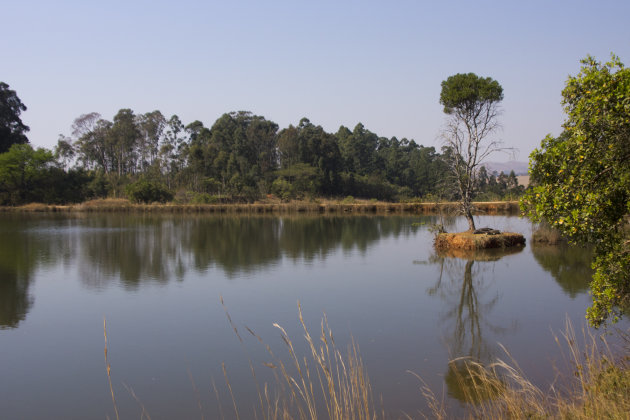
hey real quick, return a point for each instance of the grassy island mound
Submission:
(481, 240)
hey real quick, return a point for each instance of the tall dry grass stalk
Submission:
(323, 384)
(109, 368)
(599, 387)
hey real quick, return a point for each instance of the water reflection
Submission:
(15, 300)
(21, 254)
(467, 288)
(161, 249)
(569, 265)
(132, 250)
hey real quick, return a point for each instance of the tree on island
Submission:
(11, 127)
(581, 179)
(472, 104)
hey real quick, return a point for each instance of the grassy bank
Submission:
(270, 206)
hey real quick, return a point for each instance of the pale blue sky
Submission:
(334, 62)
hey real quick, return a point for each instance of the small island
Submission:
(484, 238)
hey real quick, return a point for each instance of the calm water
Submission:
(158, 281)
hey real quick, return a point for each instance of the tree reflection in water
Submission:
(15, 300)
(22, 252)
(467, 288)
(570, 265)
(132, 249)
(158, 249)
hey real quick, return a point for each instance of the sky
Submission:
(335, 62)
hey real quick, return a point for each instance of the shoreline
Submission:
(367, 207)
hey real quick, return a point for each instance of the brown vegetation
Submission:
(325, 383)
(270, 206)
(599, 387)
(472, 241)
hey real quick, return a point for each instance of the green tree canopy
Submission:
(581, 179)
(11, 127)
(468, 94)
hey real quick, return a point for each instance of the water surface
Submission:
(158, 279)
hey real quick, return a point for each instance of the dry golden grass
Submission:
(471, 241)
(598, 389)
(328, 384)
(272, 206)
(104, 204)
(324, 384)
(109, 371)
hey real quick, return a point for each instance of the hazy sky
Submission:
(337, 63)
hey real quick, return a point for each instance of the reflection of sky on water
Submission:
(158, 279)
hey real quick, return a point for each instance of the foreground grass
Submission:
(599, 387)
(329, 384)
(323, 384)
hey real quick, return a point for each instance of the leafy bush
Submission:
(282, 188)
(144, 191)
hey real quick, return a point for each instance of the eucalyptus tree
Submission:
(243, 151)
(358, 149)
(310, 157)
(288, 143)
(64, 151)
(91, 142)
(124, 136)
(151, 126)
(472, 105)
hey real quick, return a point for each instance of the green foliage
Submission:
(581, 179)
(465, 92)
(11, 127)
(99, 186)
(24, 174)
(243, 155)
(283, 189)
(144, 191)
(372, 186)
(204, 198)
(497, 187)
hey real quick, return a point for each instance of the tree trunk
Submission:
(469, 218)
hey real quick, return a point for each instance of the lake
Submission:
(158, 281)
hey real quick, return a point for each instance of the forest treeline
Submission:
(242, 157)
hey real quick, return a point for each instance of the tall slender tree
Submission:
(472, 105)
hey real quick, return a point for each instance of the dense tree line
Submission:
(240, 158)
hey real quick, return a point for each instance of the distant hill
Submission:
(519, 168)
